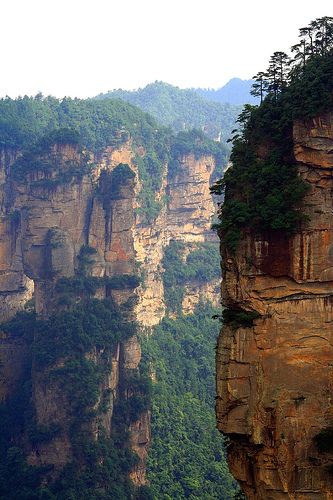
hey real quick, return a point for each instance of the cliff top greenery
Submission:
(26, 120)
(32, 125)
(263, 190)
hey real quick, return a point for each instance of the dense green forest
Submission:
(264, 191)
(187, 456)
(181, 109)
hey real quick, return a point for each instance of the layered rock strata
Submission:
(44, 225)
(274, 380)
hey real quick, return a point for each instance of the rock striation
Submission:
(45, 222)
(274, 379)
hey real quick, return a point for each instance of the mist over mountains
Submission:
(235, 91)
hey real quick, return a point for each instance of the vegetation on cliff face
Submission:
(62, 352)
(33, 127)
(201, 265)
(187, 455)
(263, 189)
(186, 459)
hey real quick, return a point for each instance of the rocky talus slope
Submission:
(274, 380)
(44, 226)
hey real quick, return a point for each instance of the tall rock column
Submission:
(275, 378)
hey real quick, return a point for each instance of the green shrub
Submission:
(239, 318)
(324, 440)
(42, 433)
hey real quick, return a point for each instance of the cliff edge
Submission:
(274, 375)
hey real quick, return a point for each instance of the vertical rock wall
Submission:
(44, 225)
(274, 380)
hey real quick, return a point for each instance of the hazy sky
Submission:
(83, 47)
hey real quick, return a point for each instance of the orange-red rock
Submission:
(274, 381)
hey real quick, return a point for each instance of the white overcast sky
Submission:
(83, 47)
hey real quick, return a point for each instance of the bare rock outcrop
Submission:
(274, 380)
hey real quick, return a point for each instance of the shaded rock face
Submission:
(43, 227)
(190, 206)
(274, 380)
(42, 244)
(196, 292)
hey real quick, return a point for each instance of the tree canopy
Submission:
(264, 190)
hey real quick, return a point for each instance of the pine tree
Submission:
(260, 85)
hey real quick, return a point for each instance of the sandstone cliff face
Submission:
(54, 221)
(190, 206)
(195, 292)
(186, 217)
(43, 226)
(274, 380)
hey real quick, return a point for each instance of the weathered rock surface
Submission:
(190, 206)
(274, 380)
(195, 292)
(43, 226)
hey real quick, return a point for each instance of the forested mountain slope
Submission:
(181, 109)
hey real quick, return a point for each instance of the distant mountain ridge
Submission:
(235, 91)
(181, 109)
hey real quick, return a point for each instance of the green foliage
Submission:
(324, 440)
(94, 124)
(85, 259)
(151, 167)
(121, 175)
(99, 469)
(186, 459)
(74, 332)
(264, 190)
(201, 265)
(261, 193)
(41, 158)
(239, 318)
(138, 391)
(197, 143)
(310, 93)
(181, 109)
(311, 54)
(18, 480)
(42, 433)
(70, 289)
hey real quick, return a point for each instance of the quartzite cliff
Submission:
(274, 380)
(44, 226)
